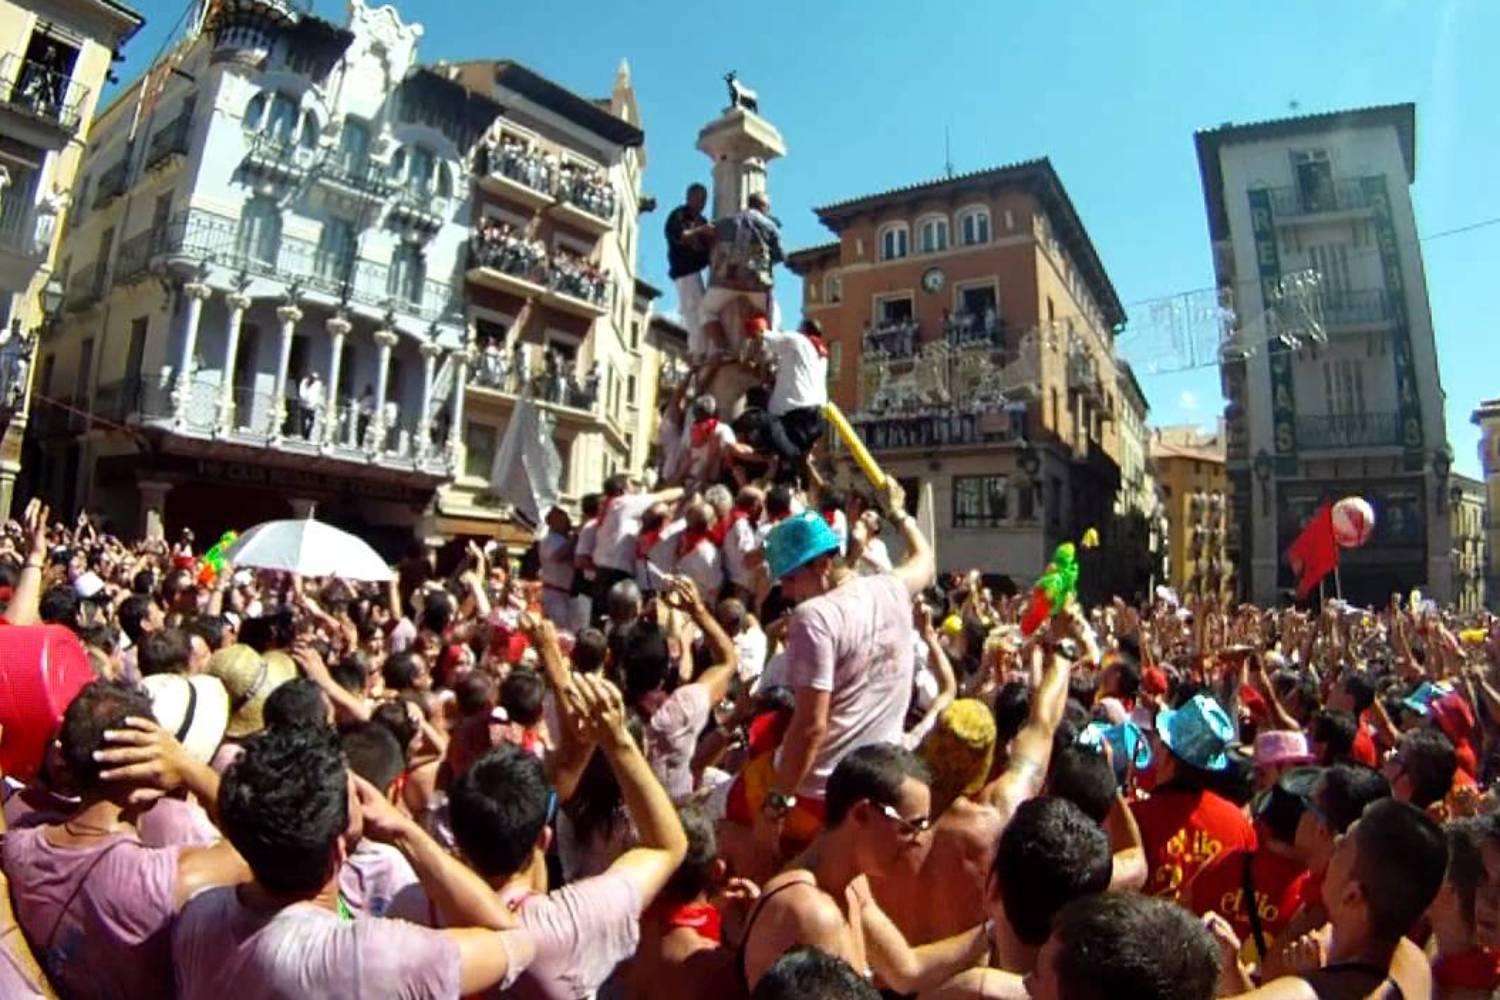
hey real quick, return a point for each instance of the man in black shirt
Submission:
(688, 239)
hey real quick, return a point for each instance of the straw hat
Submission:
(249, 679)
(195, 710)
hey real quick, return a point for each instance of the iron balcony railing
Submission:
(1348, 430)
(1341, 195)
(112, 183)
(210, 237)
(85, 286)
(363, 176)
(38, 91)
(134, 258)
(172, 139)
(1366, 307)
(596, 199)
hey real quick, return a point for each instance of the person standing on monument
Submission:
(689, 237)
(747, 247)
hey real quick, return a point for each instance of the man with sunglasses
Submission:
(878, 820)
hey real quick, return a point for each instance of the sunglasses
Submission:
(911, 827)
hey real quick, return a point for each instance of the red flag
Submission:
(1315, 553)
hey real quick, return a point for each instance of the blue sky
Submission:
(863, 90)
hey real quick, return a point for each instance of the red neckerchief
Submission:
(832, 519)
(703, 430)
(1472, 970)
(818, 344)
(738, 514)
(778, 518)
(701, 918)
(691, 539)
(647, 542)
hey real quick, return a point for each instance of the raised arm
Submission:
(918, 569)
(24, 603)
(683, 594)
(1031, 750)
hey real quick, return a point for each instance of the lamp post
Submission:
(1263, 466)
(1442, 462)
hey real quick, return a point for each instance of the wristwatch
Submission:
(778, 804)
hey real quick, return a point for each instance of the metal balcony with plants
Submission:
(41, 93)
(1348, 430)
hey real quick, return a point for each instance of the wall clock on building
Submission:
(933, 280)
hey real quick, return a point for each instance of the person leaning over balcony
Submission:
(794, 420)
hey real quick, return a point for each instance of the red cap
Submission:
(45, 668)
(1254, 702)
(1453, 716)
(1154, 681)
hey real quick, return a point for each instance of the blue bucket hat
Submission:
(1126, 742)
(797, 541)
(1420, 700)
(1198, 733)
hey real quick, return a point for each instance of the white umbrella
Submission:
(308, 548)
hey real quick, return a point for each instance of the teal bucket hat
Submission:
(1199, 733)
(797, 541)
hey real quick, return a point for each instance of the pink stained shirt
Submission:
(672, 736)
(172, 821)
(582, 931)
(108, 906)
(372, 876)
(855, 643)
(221, 949)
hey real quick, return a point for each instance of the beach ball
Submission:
(1353, 522)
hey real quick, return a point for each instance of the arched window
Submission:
(894, 241)
(309, 137)
(354, 146)
(282, 123)
(407, 275)
(932, 234)
(255, 111)
(420, 166)
(259, 235)
(974, 226)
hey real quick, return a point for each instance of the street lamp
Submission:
(1263, 466)
(52, 299)
(1442, 462)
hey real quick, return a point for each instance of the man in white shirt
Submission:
(555, 553)
(310, 398)
(795, 412)
(697, 557)
(742, 550)
(711, 442)
(749, 639)
(619, 532)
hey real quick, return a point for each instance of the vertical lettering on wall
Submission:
(1268, 264)
(1408, 402)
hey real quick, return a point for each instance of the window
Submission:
(281, 125)
(835, 360)
(893, 242)
(407, 275)
(335, 250)
(1026, 502)
(1054, 502)
(974, 226)
(479, 449)
(980, 501)
(85, 363)
(49, 366)
(420, 164)
(309, 136)
(895, 309)
(136, 352)
(1331, 262)
(630, 390)
(635, 334)
(354, 147)
(1314, 179)
(933, 234)
(444, 181)
(833, 286)
(260, 231)
(255, 113)
(1344, 387)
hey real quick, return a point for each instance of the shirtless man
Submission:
(877, 823)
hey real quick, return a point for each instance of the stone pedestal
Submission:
(740, 143)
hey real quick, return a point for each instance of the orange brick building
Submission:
(971, 328)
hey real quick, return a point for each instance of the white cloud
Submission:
(1188, 400)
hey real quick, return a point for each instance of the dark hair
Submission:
(268, 632)
(392, 715)
(695, 186)
(1466, 838)
(350, 673)
(1012, 709)
(1082, 688)
(695, 875)
(1360, 689)
(474, 693)
(143, 583)
(1346, 790)
(645, 660)
(521, 695)
(1129, 664)
(616, 485)
(98, 707)
(1396, 894)
(298, 702)
(101, 636)
(808, 973)
(210, 628)
(59, 606)
(373, 753)
(401, 670)
(589, 505)
(589, 648)
(1049, 855)
(438, 610)
(498, 808)
(779, 501)
(164, 651)
(1083, 776)
(1428, 760)
(830, 501)
(1125, 946)
(134, 611)
(1334, 730)
(284, 804)
(873, 772)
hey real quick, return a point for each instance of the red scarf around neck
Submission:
(604, 505)
(703, 431)
(647, 542)
(832, 519)
(691, 537)
(701, 918)
(818, 344)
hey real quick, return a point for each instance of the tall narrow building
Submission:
(1331, 371)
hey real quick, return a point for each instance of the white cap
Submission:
(193, 710)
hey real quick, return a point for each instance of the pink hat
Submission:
(1278, 746)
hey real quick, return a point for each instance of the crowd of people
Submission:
(521, 160)
(501, 246)
(588, 188)
(579, 277)
(898, 338)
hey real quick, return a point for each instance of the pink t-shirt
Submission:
(855, 643)
(582, 931)
(672, 736)
(15, 984)
(372, 876)
(174, 821)
(221, 949)
(108, 906)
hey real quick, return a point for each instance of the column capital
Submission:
(338, 326)
(430, 349)
(386, 338)
(197, 290)
(288, 313)
(238, 300)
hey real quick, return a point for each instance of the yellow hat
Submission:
(249, 678)
(959, 751)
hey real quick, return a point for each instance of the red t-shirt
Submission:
(1363, 750)
(1182, 831)
(1279, 884)
(1471, 970)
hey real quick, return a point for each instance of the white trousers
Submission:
(690, 301)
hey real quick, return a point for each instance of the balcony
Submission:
(360, 178)
(1348, 430)
(508, 264)
(495, 373)
(170, 142)
(577, 288)
(585, 203)
(420, 209)
(278, 158)
(1342, 195)
(887, 432)
(24, 242)
(85, 287)
(898, 340)
(41, 95)
(1357, 310)
(113, 183)
(519, 175)
(199, 236)
(133, 263)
